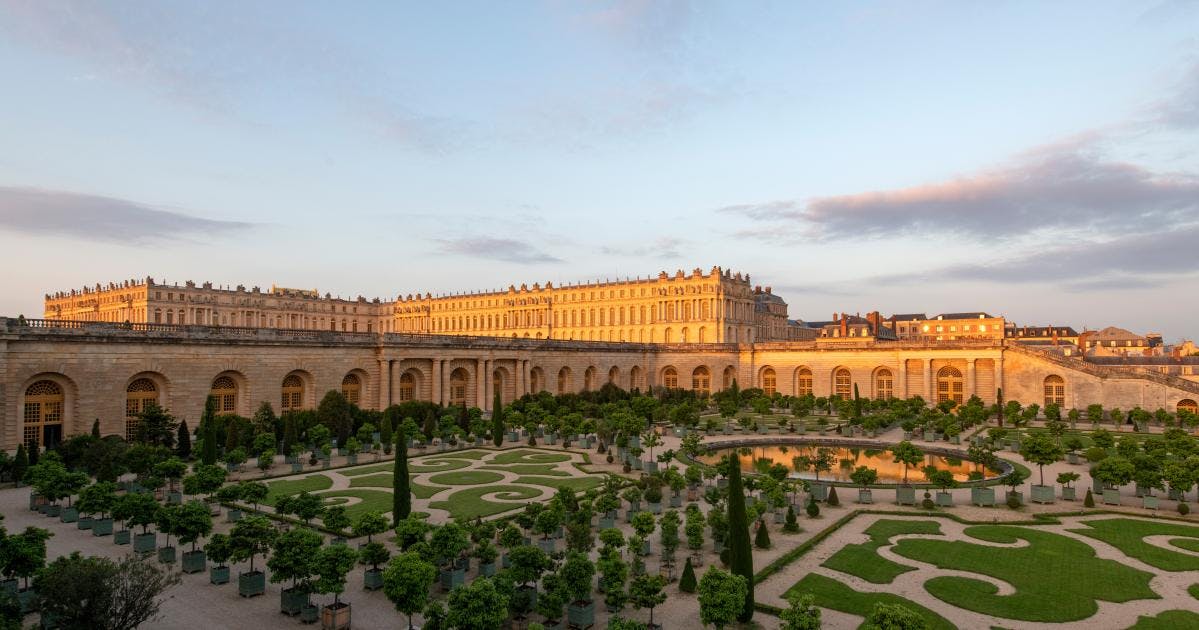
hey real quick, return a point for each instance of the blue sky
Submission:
(1032, 159)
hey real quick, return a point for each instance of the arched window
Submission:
(497, 385)
(407, 387)
(138, 395)
(1055, 390)
(950, 385)
(458, 387)
(884, 385)
(293, 393)
(769, 381)
(730, 375)
(224, 389)
(670, 378)
(614, 376)
(564, 383)
(589, 379)
(842, 384)
(1188, 405)
(351, 388)
(537, 380)
(803, 382)
(668, 337)
(44, 403)
(636, 381)
(701, 381)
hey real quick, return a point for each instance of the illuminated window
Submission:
(670, 378)
(769, 382)
(293, 393)
(950, 385)
(564, 383)
(43, 414)
(1055, 390)
(842, 383)
(701, 381)
(803, 382)
(140, 393)
(407, 387)
(884, 385)
(458, 387)
(224, 389)
(1188, 405)
(351, 388)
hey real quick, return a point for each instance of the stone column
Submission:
(970, 381)
(384, 383)
(928, 381)
(393, 384)
(435, 388)
(903, 378)
(481, 383)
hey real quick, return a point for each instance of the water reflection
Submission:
(845, 460)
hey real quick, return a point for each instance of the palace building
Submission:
(106, 352)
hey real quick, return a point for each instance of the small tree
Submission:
(98, 498)
(25, 553)
(907, 454)
(335, 519)
(370, 524)
(645, 591)
(406, 582)
(183, 441)
(305, 506)
(864, 476)
(96, 592)
(1113, 471)
(893, 617)
(687, 583)
(1039, 449)
(253, 492)
(219, 549)
(293, 558)
(476, 606)
(251, 537)
(762, 538)
(332, 563)
(721, 597)
(801, 613)
(791, 526)
(192, 521)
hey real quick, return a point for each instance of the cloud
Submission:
(1062, 187)
(666, 247)
(501, 249)
(97, 218)
(1181, 109)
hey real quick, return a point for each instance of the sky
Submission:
(1034, 160)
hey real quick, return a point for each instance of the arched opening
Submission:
(670, 378)
(842, 384)
(769, 381)
(43, 414)
(293, 393)
(537, 380)
(730, 375)
(224, 389)
(1188, 405)
(458, 379)
(614, 376)
(497, 385)
(884, 384)
(701, 381)
(668, 336)
(1055, 390)
(564, 381)
(950, 385)
(703, 334)
(139, 394)
(636, 378)
(803, 382)
(407, 387)
(351, 388)
(589, 379)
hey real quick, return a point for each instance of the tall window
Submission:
(458, 387)
(224, 389)
(1055, 390)
(884, 385)
(842, 384)
(701, 381)
(497, 384)
(43, 414)
(670, 378)
(536, 380)
(769, 381)
(563, 380)
(293, 393)
(803, 382)
(614, 376)
(589, 379)
(407, 387)
(950, 385)
(635, 378)
(138, 395)
(351, 388)
(730, 375)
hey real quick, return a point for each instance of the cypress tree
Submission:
(762, 539)
(208, 432)
(999, 404)
(35, 451)
(687, 583)
(741, 561)
(183, 443)
(792, 525)
(430, 427)
(401, 492)
(386, 429)
(832, 499)
(1089, 501)
(20, 464)
(96, 428)
(497, 421)
(289, 433)
(857, 402)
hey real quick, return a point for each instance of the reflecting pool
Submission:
(757, 459)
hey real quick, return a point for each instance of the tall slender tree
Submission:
(401, 492)
(497, 421)
(741, 560)
(183, 443)
(208, 432)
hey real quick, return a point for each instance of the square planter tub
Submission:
(1043, 494)
(251, 584)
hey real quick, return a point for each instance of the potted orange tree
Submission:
(332, 563)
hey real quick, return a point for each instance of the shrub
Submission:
(1089, 501)
(687, 583)
(791, 526)
(832, 497)
(762, 539)
(1183, 508)
(1013, 501)
(812, 509)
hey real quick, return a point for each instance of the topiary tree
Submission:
(1114, 471)
(812, 508)
(801, 613)
(370, 524)
(253, 492)
(406, 582)
(251, 537)
(335, 519)
(762, 538)
(645, 591)
(293, 558)
(1089, 500)
(832, 499)
(476, 606)
(893, 617)
(192, 521)
(687, 583)
(722, 597)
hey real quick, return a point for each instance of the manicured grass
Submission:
(528, 457)
(372, 501)
(380, 480)
(366, 470)
(471, 454)
(574, 483)
(862, 560)
(1056, 578)
(834, 595)
(531, 469)
(469, 503)
(1190, 544)
(287, 487)
(1168, 620)
(1127, 535)
(438, 465)
(466, 478)
(1193, 590)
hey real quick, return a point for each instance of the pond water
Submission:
(757, 459)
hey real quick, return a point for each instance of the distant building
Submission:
(1043, 335)
(1115, 342)
(946, 326)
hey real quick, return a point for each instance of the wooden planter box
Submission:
(1018, 495)
(218, 575)
(291, 601)
(233, 515)
(68, 515)
(865, 496)
(1149, 502)
(945, 499)
(905, 495)
(335, 616)
(450, 579)
(983, 497)
(310, 613)
(580, 615)
(251, 584)
(655, 508)
(121, 537)
(606, 522)
(194, 561)
(487, 569)
(1111, 497)
(676, 500)
(819, 491)
(1072, 458)
(1043, 494)
(145, 543)
(166, 555)
(84, 522)
(101, 527)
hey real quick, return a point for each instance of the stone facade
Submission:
(67, 374)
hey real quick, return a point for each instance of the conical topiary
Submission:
(832, 499)
(1089, 501)
(813, 509)
(792, 525)
(687, 583)
(762, 539)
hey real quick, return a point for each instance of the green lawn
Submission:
(524, 456)
(366, 470)
(466, 478)
(531, 469)
(574, 483)
(1056, 578)
(1127, 535)
(372, 501)
(287, 487)
(862, 560)
(471, 454)
(1190, 544)
(469, 504)
(1168, 620)
(1193, 590)
(380, 480)
(834, 595)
